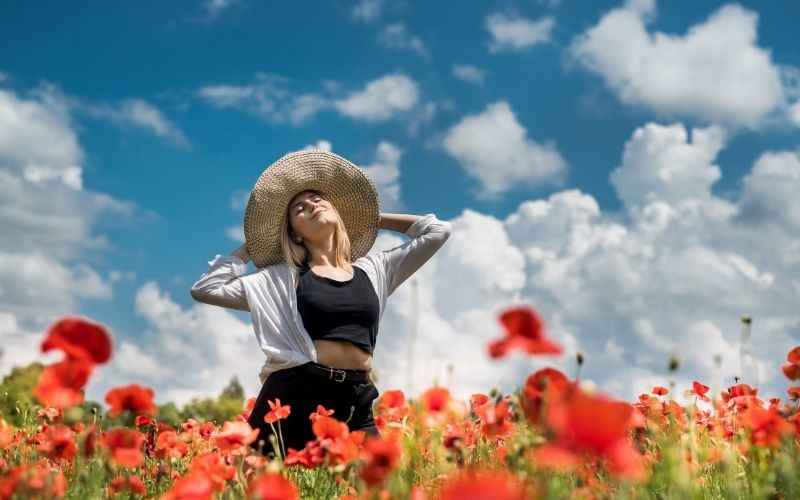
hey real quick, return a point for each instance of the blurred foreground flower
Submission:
(136, 398)
(79, 338)
(61, 384)
(524, 331)
(792, 370)
(594, 426)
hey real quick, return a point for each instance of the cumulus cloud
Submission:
(367, 10)
(511, 33)
(216, 7)
(493, 147)
(469, 73)
(384, 170)
(668, 275)
(138, 113)
(321, 144)
(395, 36)
(715, 73)
(380, 99)
(48, 221)
(267, 98)
(271, 99)
(184, 352)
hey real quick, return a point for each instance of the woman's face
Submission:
(310, 214)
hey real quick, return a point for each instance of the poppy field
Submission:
(551, 438)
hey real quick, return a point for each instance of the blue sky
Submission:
(134, 132)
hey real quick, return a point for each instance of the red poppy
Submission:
(436, 399)
(235, 435)
(524, 331)
(143, 420)
(169, 445)
(478, 400)
(700, 390)
(215, 467)
(321, 412)
(660, 391)
(60, 384)
(542, 388)
(50, 413)
(79, 338)
(309, 457)
(495, 420)
(195, 486)
(391, 399)
(327, 427)
(125, 446)
(594, 425)
(485, 485)
(382, 457)
(277, 411)
(59, 443)
(767, 428)
(126, 484)
(792, 370)
(272, 486)
(6, 433)
(134, 397)
(794, 393)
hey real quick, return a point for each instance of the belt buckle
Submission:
(338, 372)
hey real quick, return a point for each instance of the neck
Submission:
(323, 253)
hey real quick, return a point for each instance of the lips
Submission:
(318, 212)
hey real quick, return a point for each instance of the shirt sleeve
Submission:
(220, 284)
(427, 234)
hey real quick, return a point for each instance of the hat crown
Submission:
(345, 185)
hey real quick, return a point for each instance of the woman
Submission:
(318, 295)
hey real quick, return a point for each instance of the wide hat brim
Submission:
(345, 185)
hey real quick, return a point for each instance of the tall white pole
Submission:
(412, 341)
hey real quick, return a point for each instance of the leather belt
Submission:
(337, 374)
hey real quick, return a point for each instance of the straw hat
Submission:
(345, 185)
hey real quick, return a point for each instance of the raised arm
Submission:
(220, 284)
(427, 234)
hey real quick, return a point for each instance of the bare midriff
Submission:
(342, 354)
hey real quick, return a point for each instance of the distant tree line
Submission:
(18, 406)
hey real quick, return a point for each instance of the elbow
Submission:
(197, 294)
(446, 230)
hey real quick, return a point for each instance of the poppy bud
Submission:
(579, 358)
(674, 362)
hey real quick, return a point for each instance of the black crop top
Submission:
(339, 310)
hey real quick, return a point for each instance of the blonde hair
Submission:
(295, 254)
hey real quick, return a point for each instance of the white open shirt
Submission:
(270, 296)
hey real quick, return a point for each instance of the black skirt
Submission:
(302, 391)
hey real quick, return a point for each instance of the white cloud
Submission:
(135, 113)
(236, 233)
(384, 170)
(367, 10)
(185, 353)
(270, 99)
(668, 275)
(396, 37)
(469, 73)
(517, 33)
(48, 221)
(321, 144)
(493, 147)
(215, 7)
(267, 98)
(661, 164)
(380, 99)
(715, 73)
